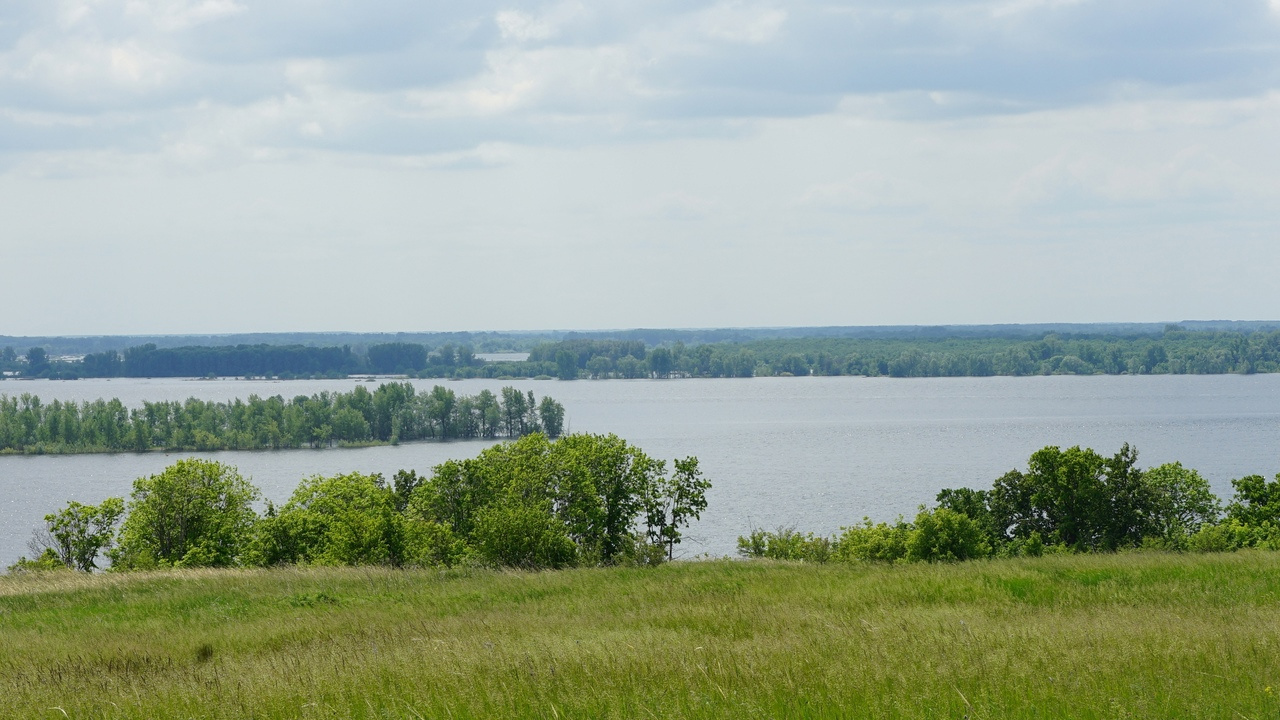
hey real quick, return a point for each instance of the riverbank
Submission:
(1131, 635)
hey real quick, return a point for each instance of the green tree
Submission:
(524, 536)
(566, 365)
(675, 502)
(599, 366)
(551, 413)
(348, 519)
(350, 426)
(37, 362)
(441, 403)
(660, 362)
(1182, 502)
(194, 513)
(1255, 502)
(79, 533)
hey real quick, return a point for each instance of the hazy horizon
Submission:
(239, 166)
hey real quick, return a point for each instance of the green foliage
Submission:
(393, 413)
(672, 503)
(1232, 534)
(785, 544)
(196, 513)
(590, 489)
(943, 535)
(46, 561)
(1256, 501)
(346, 519)
(1074, 497)
(551, 415)
(878, 542)
(522, 536)
(80, 533)
(1182, 503)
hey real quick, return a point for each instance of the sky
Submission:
(219, 166)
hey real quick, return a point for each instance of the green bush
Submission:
(427, 543)
(522, 536)
(346, 519)
(872, 542)
(47, 561)
(944, 535)
(785, 544)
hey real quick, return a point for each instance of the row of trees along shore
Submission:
(1175, 351)
(529, 503)
(1066, 501)
(395, 412)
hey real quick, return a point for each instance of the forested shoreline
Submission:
(393, 413)
(1066, 501)
(535, 502)
(1176, 350)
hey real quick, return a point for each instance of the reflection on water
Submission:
(816, 453)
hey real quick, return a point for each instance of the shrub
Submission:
(522, 536)
(944, 535)
(785, 544)
(872, 542)
(341, 520)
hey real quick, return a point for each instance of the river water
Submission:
(813, 453)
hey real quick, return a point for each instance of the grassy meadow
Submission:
(1141, 635)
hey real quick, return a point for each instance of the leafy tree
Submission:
(551, 414)
(566, 366)
(441, 403)
(346, 519)
(350, 426)
(974, 504)
(675, 502)
(1256, 501)
(195, 513)
(37, 362)
(1182, 502)
(630, 368)
(794, 364)
(785, 544)
(660, 362)
(513, 411)
(599, 366)
(79, 533)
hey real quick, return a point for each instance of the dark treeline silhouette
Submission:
(393, 413)
(1175, 350)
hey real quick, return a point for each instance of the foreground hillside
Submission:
(1105, 636)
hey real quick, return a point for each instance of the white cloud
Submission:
(737, 22)
(176, 15)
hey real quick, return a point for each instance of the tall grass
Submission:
(1136, 635)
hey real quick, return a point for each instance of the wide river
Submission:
(813, 453)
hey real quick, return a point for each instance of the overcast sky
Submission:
(194, 166)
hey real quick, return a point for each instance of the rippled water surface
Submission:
(815, 453)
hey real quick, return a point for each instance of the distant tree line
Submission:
(393, 413)
(529, 503)
(1175, 351)
(1066, 501)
